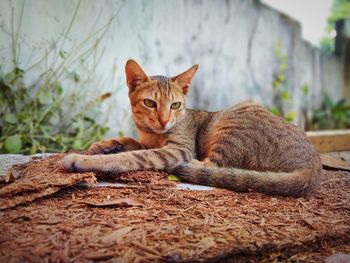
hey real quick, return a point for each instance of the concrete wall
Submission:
(232, 41)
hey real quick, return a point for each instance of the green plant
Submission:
(340, 10)
(281, 98)
(331, 115)
(305, 106)
(44, 116)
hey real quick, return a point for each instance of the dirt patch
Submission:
(170, 224)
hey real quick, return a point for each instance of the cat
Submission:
(243, 148)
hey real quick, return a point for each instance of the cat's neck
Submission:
(152, 140)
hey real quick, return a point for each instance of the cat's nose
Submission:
(163, 122)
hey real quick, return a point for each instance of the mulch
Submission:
(38, 178)
(148, 220)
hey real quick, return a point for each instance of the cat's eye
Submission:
(150, 103)
(175, 105)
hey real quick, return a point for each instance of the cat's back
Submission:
(257, 139)
(251, 117)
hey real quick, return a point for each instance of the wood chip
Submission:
(121, 202)
(116, 236)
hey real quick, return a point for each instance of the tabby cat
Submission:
(242, 148)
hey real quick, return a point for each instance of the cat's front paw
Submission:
(74, 162)
(105, 147)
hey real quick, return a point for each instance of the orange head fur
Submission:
(157, 102)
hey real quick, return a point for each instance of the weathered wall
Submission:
(232, 41)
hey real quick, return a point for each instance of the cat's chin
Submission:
(160, 131)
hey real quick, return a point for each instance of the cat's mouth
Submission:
(162, 129)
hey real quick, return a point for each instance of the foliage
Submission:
(327, 43)
(32, 119)
(172, 177)
(331, 115)
(42, 116)
(281, 96)
(340, 10)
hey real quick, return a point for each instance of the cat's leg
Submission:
(153, 159)
(206, 162)
(114, 145)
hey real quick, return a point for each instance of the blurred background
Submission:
(62, 80)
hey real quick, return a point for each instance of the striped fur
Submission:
(243, 148)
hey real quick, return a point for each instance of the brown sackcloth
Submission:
(171, 225)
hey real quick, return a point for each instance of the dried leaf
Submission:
(104, 96)
(145, 248)
(332, 162)
(206, 243)
(262, 222)
(12, 175)
(309, 222)
(116, 235)
(122, 202)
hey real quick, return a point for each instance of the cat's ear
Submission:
(185, 78)
(134, 74)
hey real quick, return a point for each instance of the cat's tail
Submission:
(295, 183)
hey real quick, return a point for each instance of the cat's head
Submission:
(157, 102)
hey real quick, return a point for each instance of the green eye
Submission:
(175, 105)
(150, 103)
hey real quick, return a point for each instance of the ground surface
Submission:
(149, 220)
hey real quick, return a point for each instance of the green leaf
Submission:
(275, 111)
(285, 95)
(77, 144)
(328, 102)
(172, 177)
(276, 84)
(13, 144)
(10, 77)
(42, 148)
(281, 77)
(23, 115)
(59, 90)
(290, 116)
(319, 115)
(63, 53)
(44, 97)
(76, 77)
(278, 47)
(103, 130)
(10, 118)
(305, 88)
(340, 103)
(33, 149)
(284, 64)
